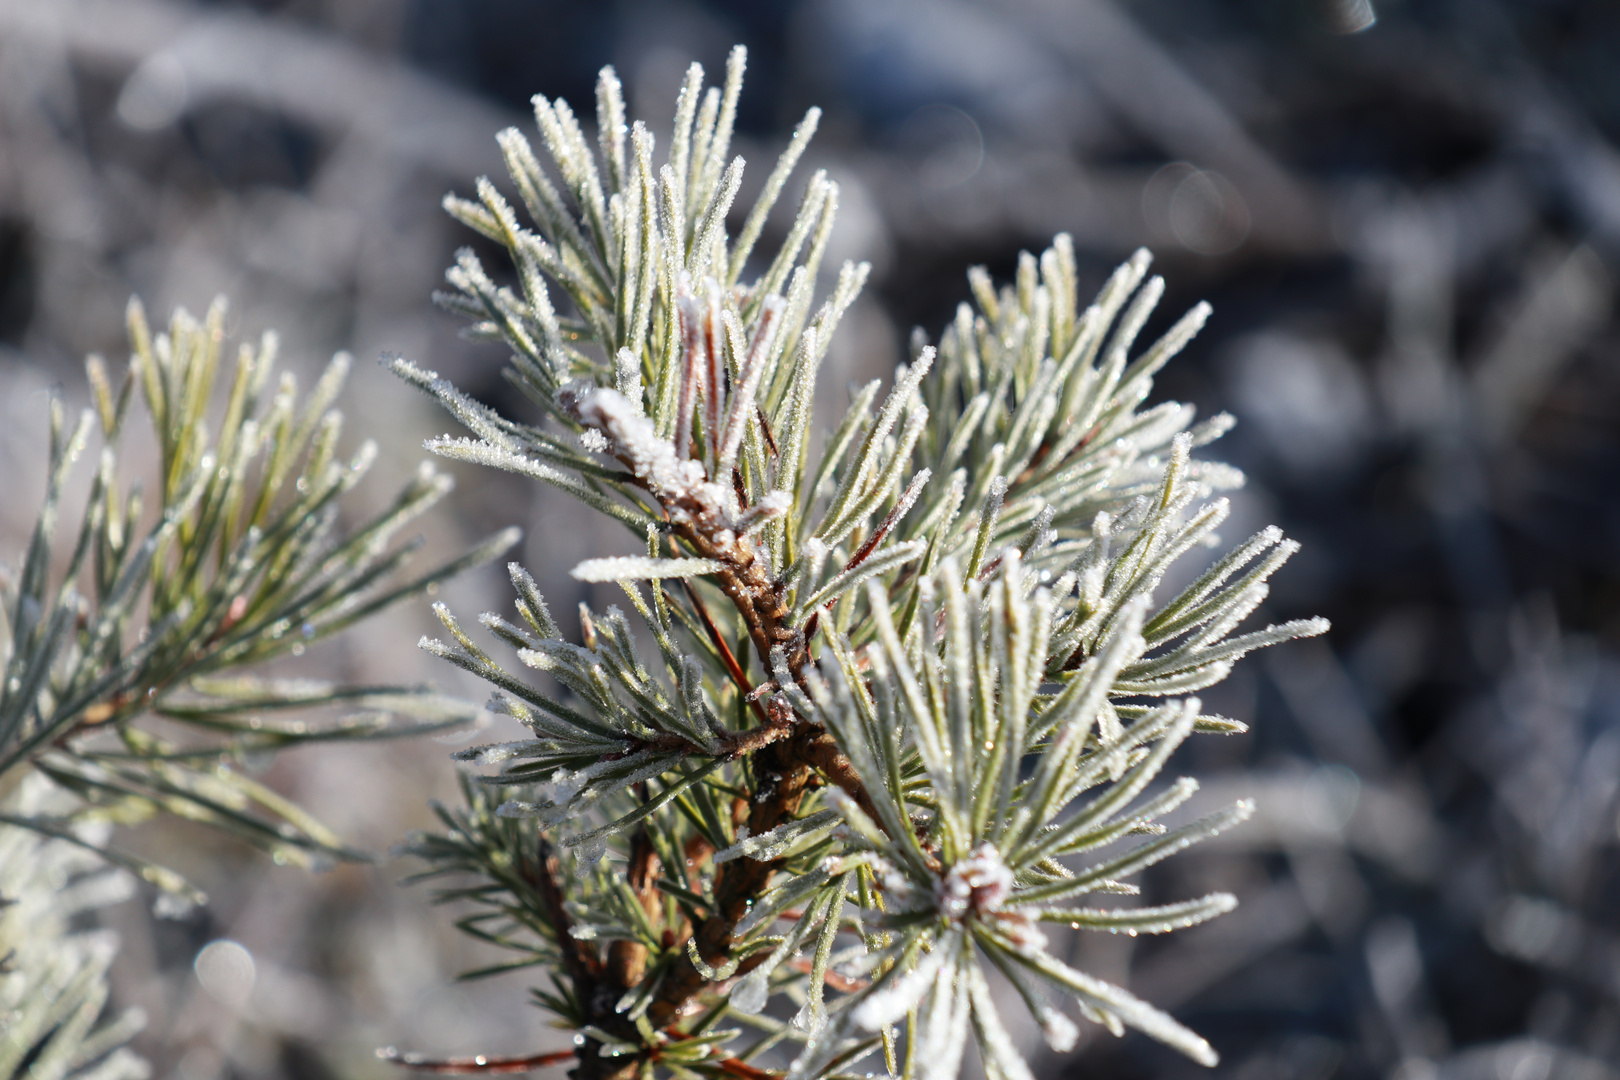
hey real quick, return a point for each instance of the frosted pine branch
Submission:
(908, 680)
(129, 637)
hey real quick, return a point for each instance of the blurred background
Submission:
(1407, 216)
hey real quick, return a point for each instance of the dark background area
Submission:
(1409, 230)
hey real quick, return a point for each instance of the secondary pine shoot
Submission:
(910, 681)
(127, 675)
(132, 640)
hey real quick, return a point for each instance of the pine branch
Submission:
(904, 683)
(54, 990)
(160, 614)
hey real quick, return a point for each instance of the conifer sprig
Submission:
(53, 972)
(906, 675)
(126, 669)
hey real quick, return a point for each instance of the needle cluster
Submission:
(881, 701)
(127, 653)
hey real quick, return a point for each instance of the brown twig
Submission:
(727, 657)
(823, 754)
(784, 775)
(479, 1063)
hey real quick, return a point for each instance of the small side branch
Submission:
(479, 1063)
(579, 957)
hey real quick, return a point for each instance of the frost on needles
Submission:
(132, 634)
(132, 629)
(878, 703)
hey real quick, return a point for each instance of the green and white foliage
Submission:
(895, 695)
(969, 850)
(53, 977)
(124, 643)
